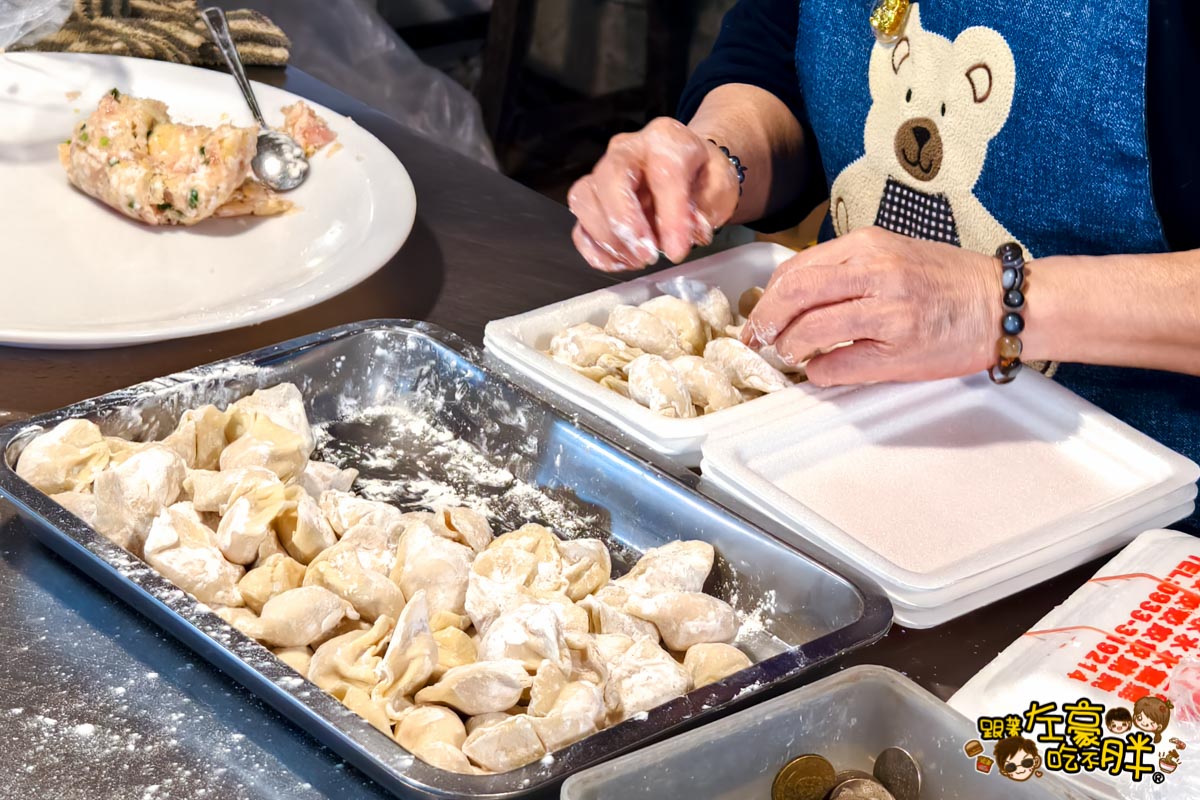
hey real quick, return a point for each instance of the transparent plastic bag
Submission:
(347, 44)
(29, 21)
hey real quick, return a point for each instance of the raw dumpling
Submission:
(504, 745)
(66, 458)
(319, 477)
(207, 425)
(683, 318)
(654, 384)
(266, 444)
(616, 384)
(708, 663)
(714, 310)
(548, 683)
(302, 529)
(645, 676)
(211, 491)
(465, 526)
(373, 543)
(359, 701)
(642, 330)
(411, 656)
(681, 566)
(707, 386)
(607, 611)
(455, 648)
(130, 496)
(298, 658)
(480, 688)
(82, 505)
(184, 550)
(344, 511)
(283, 405)
(744, 368)
(578, 712)
(587, 349)
(372, 593)
(587, 565)
(435, 735)
(296, 618)
(276, 575)
(248, 517)
(686, 618)
(530, 633)
(351, 658)
(441, 567)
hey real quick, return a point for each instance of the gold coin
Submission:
(809, 777)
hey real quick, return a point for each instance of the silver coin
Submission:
(897, 770)
(861, 789)
(845, 776)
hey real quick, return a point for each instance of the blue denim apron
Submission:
(994, 120)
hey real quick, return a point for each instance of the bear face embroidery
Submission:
(935, 106)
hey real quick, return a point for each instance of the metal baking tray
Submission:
(810, 614)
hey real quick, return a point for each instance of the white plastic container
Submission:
(959, 492)
(521, 343)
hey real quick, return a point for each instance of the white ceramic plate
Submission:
(76, 274)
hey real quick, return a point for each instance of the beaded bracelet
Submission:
(1012, 279)
(737, 164)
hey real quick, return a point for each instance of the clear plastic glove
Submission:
(913, 310)
(29, 21)
(662, 190)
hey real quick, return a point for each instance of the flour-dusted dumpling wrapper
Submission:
(372, 593)
(373, 540)
(530, 633)
(182, 440)
(683, 317)
(606, 609)
(681, 566)
(208, 424)
(211, 490)
(360, 702)
(433, 563)
(455, 648)
(587, 349)
(505, 745)
(684, 619)
(480, 688)
(344, 511)
(121, 450)
(302, 529)
(435, 735)
(283, 405)
(578, 712)
(319, 477)
(646, 676)
(351, 658)
(263, 443)
(298, 658)
(66, 458)
(466, 526)
(81, 504)
(707, 386)
(411, 655)
(548, 682)
(277, 574)
(130, 496)
(587, 566)
(744, 368)
(249, 517)
(715, 310)
(657, 386)
(711, 662)
(296, 618)
(184, 551)
(643, 331)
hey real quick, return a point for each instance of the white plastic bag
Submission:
(347, 44)
(28, 21)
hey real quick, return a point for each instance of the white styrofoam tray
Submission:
(521, 342)
(932, 490)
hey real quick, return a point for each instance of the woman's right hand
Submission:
(662, 189)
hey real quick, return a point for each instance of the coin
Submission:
(898, 772)
(809, 777)
(861, 789)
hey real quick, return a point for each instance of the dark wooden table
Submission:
(116, 707)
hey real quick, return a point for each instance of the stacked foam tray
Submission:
(951, 494)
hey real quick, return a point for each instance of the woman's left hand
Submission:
(914, 310)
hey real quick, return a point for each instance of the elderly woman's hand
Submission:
(663, 188)
(914, 310)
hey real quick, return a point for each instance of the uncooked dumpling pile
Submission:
(676, 358)
(477, 653)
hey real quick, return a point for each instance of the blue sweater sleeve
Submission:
(757, 46)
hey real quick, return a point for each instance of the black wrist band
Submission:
(737, 165)
(1012, 280)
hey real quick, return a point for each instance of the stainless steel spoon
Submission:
(279, 162)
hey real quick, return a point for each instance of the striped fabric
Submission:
(167, 30)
